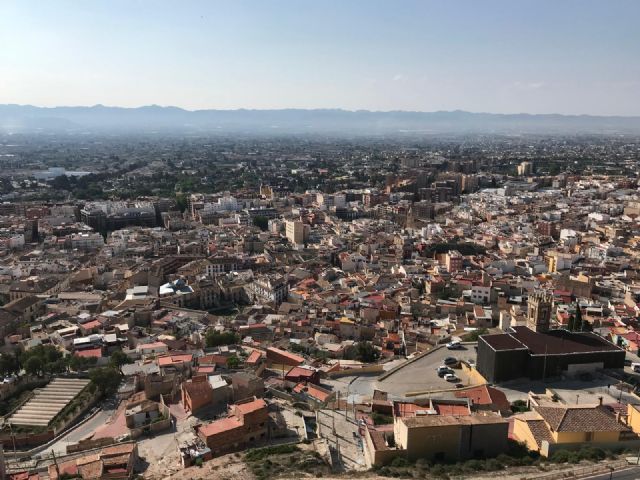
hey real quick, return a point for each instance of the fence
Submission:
(580, 471)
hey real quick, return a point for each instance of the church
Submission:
(536, 352)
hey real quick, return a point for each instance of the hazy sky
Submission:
(538, 56)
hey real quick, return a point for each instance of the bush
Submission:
(561, 456)
(439, 471)
(380, 419)
(592, 454)
(519, 406)
(400, 462)
(260, 453)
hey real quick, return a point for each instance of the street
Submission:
(631, 473)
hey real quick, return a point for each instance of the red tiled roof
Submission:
(173, 359)
(220, 426)
(449, 409)
(251, 406)
(300, 372)
(254, 357)
(89, 353)
(485, 395)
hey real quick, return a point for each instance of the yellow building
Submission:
(546, 427)
(448, 437)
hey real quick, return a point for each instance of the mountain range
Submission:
(154, 118)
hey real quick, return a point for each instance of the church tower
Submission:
(539, 312)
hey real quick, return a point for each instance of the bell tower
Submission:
(539, 312)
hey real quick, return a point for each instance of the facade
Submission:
(296, 231)
(451, 438)
(246, 425)
(269, 289)
(453, 261)
(539, 312)
(524, 353)
(547, 428)
(196, 393)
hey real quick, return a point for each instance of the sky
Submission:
(502, 56)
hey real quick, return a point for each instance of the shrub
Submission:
(400, 462)
(561, 456)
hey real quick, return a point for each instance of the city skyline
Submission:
(534, 57)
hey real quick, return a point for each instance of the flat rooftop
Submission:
(553, 342)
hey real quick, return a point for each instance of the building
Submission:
(269, 289)
(303, 374)
(297, 232)
(196, 393)
(276, 356)
(451, 438)
(453, 261)
(525, 168)
(546, 429)
(113, 462)
(246, 425)
(539, 312)
(525, 353)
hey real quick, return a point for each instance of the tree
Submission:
(215, 339)
(473, 336)
(9, 364)
(80, 364)
(118, 359)
(33, 365)
(233, 362)
(106, 379)
(366, 352)
(580, 324)
(261, 222)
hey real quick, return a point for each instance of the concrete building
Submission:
(246, 425)
(297, 232)
(524, 353)
(451, 438)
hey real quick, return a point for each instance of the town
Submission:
(213, 306)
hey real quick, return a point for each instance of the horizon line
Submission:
(339, 109)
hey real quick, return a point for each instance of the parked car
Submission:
(444, 370)
(450, 361)
(450, 377)
(455, 345)
(459, 385)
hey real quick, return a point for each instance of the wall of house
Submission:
(522, 433)
(433, 442)
(633, 418)
(575, 437)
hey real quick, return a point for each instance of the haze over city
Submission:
(498, 56)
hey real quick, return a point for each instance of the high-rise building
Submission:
(296, 231)
(525, 168)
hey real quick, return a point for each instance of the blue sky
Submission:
(539, 56)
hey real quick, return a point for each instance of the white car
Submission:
(450, 377)
(455, 345)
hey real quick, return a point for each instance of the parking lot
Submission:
(417, 376)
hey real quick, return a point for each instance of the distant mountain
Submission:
(27, 118)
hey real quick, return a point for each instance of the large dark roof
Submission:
(561, 341)
(554, 342)
(502, 341)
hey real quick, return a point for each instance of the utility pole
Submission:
(55, 462)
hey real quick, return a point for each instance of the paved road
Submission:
(632, 473)
(82, 431)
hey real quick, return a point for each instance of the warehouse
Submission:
(523, 353)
